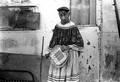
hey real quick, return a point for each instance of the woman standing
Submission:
(67, 35)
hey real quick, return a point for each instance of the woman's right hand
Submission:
(47, 55)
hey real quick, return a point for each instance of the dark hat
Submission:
(63, 8)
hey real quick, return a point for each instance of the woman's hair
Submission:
(63, 9)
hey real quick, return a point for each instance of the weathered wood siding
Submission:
(109, 58)
(83, 12)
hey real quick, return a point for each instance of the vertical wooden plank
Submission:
(85, 12)
(80, 11)
(98, 12)
(92, 12)
(75, 11)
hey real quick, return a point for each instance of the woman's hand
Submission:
(63, 48)
(47, 55)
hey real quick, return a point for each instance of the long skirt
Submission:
(68, 73)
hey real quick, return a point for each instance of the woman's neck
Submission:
(63, 23)
(67, 25)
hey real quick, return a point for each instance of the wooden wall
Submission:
(83, 12)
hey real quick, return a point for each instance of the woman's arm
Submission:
(75, 47)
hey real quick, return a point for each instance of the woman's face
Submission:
(64, 16)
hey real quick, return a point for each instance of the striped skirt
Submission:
(68, 73)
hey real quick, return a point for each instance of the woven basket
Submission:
(57, 57)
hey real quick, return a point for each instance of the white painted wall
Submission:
(48, 19)
(48, 10)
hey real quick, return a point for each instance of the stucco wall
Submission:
(29, 42)
(22, 42)
(109, 58)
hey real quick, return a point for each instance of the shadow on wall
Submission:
(112, 67)
(20, 62)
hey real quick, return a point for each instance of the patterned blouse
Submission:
(66, 36)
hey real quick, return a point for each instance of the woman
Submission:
(67, 35)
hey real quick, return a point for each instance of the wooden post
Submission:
(117, 17)
(41, 59)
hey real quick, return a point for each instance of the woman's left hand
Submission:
(63, 48)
